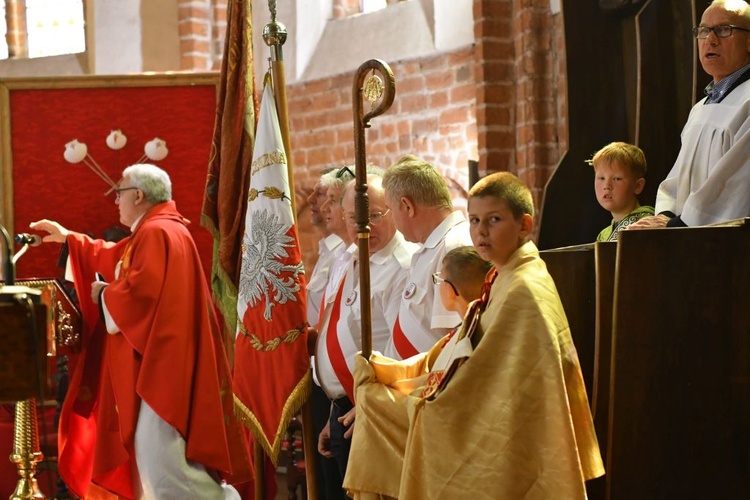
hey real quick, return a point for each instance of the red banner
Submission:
(271, 363)
(231, 153)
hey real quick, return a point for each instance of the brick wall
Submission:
(345, 8)
(501, 101)
(16, 37)
(494, 53)
(521, 107)
(432, 116)
(200, 34)
(538, 148)
(218, 32)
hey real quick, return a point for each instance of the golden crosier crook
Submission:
(373, 88)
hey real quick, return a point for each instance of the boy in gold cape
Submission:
(509, 420)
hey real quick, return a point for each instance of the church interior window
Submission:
(55, 27)
(373, 5)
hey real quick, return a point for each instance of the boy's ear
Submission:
(527, 224)
(639, 185)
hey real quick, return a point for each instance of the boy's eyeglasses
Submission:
(437, 279)
(375, 219)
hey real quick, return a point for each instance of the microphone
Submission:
(33, 240)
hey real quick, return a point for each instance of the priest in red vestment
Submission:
(149, 412)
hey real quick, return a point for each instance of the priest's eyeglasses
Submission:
(120, 190)
(376, 218)
(721, 31)
(437, 279)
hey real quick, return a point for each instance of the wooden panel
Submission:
(64, 323)
(665, 93)
(596, 116)
(680, 389)
(572, 269)
(574, 272)
(635, 84)
(606, 253)
(21, 356)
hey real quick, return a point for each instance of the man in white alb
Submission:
(710, 180)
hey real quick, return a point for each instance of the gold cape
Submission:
(512, 423)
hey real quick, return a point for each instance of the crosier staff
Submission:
(374, 89)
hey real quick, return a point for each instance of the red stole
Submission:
(404, 348)
(335, 354)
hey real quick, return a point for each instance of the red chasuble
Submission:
(168, 353)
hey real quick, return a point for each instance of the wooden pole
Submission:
(274, 34)
(373, 88)
(259, 462)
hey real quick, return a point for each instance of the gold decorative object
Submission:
(63, 318)
(26, 453)
(373, 89)
(62, 329)
(65, 333)
(379, 87)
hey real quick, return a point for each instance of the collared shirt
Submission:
(610, 232)
(342, 257)
(715, 92)
(316, 285)
(422, 316)
(388, 273)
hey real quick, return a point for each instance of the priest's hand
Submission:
(57, 233)
(96, 290)
(348, 421)
(653, 222)
(324, 441)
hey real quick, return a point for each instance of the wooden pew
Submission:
(663, 334)
(572, 269)
(575, 271)
(679, 415)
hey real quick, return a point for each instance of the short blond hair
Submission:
(466, 270)
(508, 188)
(416, 179)
(627, 155)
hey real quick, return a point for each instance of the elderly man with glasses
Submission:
(710, 179)
(149, 411)
(340, 332)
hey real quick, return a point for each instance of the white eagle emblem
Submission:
(264, 276)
